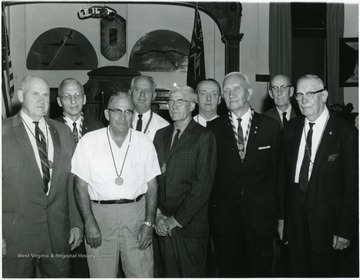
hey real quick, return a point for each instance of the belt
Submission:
(118, 201)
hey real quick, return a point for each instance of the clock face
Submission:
(61, 49)
(162, 51)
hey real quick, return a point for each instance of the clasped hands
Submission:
(164, 224)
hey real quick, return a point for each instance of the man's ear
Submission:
(59, 101)
(106, 113)
(192, 106)
(250, 93)
(219, 99)
(271, 94)
(291, 91)
(154, 96)
(84, 101)
(20, 94)
(324, 96)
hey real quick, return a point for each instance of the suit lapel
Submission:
(253, 134)
(22, 137)
(229, 134)
(57, 150)
(182, 140)
(326, 142)
(167, 142)
(277, 117)
(296, 139)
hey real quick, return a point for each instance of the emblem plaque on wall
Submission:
(113, 38)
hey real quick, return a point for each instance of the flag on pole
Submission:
(196, 60)
(7, 74)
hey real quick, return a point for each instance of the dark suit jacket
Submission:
(332, 195)
(185, 186)
(30, 218)
(273, 113)
(88, 125)
(252, 181)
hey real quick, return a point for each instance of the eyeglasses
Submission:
(282, 88)
(309, 95)
(178, 102)
(68, 97)
(118, 112)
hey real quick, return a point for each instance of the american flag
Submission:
(7, 73)
(196, 60)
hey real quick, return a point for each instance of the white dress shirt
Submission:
(201, 120)
(244, 123)
(154, 125)
(318, 131)
(288, 112)
(69, 122)
(30, 129)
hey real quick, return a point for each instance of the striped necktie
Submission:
(304, 170)
(75, 133)
(241, 142)
(41, 145)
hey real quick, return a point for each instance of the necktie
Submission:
(284, 119)
(139, 123)
(75, 133)
(304, 170)
(41, 145)
(240, 142)
(176, 138)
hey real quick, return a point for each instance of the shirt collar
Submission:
(321, 120)
(288, 111)
(244, 118)
(70, 122)
(29, 121)
(146, 115)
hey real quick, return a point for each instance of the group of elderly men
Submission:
(241, 177)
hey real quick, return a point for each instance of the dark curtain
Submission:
(334, 31)
(280, 39)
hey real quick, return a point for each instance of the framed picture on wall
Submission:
(349, 63)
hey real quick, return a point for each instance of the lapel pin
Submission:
(330, 132)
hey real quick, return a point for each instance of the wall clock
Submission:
(61, 49)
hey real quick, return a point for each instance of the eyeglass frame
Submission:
(178, 102)
(69, 97)
(282, 88)
(119, 112)
(308, 95)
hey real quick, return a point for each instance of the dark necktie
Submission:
(139, 123)
(304, 170)
(41, 145)
(284, 119)
(75, 133)
(176, 138)
(241, 143)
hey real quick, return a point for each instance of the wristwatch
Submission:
(149, 224)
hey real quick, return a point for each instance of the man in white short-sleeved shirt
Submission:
(116, 190)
